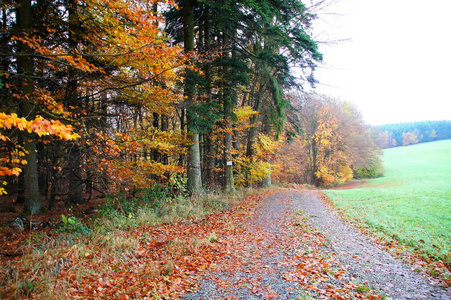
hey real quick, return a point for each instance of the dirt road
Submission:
(295, 247)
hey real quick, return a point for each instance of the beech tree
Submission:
(331, 141)
(103, 67)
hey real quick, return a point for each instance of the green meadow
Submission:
(411, 202)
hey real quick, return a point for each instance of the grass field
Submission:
(411, 203)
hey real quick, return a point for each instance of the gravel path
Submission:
(366, 259)
(254, 267)
(263, 261)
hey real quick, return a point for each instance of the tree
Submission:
(246, 52)
(425, 131)
(103, 66)
(194, 170)
(335, 141)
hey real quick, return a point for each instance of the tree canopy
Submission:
(101, 97)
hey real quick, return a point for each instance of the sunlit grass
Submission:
(411, 203)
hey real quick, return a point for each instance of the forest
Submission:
(404, 134)
(149, 145)
(101, 98)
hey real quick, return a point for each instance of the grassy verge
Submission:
(411, 203)
(104, 251)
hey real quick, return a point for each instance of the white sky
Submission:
(396, 61)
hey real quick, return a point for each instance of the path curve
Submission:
(272, 255)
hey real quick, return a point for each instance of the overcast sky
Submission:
(394, 61)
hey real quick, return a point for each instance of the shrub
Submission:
(373, 169)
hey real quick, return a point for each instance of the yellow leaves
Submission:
(266, 146)
(18, 161)
(2, 190)
(244, 113)
(260, 170)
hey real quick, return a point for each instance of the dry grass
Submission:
(57, 261)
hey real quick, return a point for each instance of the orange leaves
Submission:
(319, 272)
(58, 54)
(10, 121)
(131, 37)
(11, 166)
(39, 125)
(107, 58)
(124, 156)
(9, 172)
(43, 126)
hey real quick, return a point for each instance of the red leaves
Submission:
(167, 261)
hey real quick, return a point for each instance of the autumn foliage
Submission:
(332, 145)
(127, 103)
(99, 99)
(404, 134)
(106, 101)
(93, 90)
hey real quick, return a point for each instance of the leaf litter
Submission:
(273, 245)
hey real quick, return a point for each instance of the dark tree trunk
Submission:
(76, 194)
(33, 202)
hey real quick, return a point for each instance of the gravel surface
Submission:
(254, 267)
(258, 264)
(366, 259)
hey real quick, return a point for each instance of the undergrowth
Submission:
(105, 243)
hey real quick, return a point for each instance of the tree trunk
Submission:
(209, 143)
(267, 181)
(227, 103)
(229, 182)
(156, 123)
(194, 171)
(33, 202)
(76, 194)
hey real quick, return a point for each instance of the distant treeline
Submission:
(403, 134)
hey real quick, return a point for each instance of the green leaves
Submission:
(204, 116)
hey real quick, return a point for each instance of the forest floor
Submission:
(278, 244)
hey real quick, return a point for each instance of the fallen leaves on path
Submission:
(167, 261)
(275, 244)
